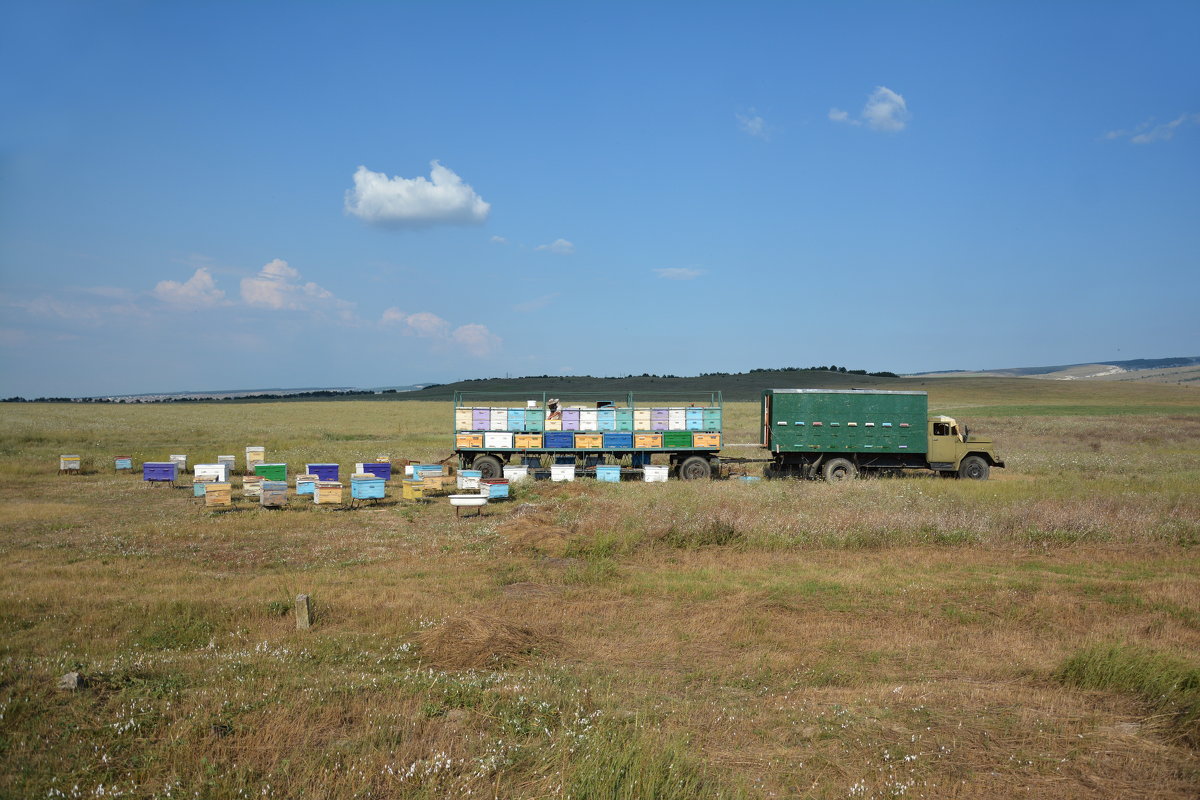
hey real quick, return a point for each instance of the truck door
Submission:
(942, 443)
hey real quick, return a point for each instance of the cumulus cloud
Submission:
(1148, 132)
(277, 286)
(753, 125)
(415, 202)
(678, 273)
(885, 110)
(198, 291)
(476, 339)
(560, 246)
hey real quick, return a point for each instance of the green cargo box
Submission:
(677, 439)
(271, 472)
(845, 421)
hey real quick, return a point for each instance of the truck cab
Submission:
(954, 451)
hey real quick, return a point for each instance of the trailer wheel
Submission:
(489, 467)
(694, 468)
(974, 468)
(839, 469)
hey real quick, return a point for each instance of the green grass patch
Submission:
(1167, 685)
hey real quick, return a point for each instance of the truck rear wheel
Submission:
(695, 468)
(973, 468)
(839, 469)
(489, 467)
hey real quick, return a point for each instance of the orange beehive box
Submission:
(469, 439)
(526, 440)
(706, 440)
(589, 440)
(647, 440)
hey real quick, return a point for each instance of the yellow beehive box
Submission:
(462, 419)
(527, 440)
(647, 440)
(69, 463)
(327, 492)
(255, 455)
(218, 495)
(712, 440)
(469, 440)
(589, 440)
(412, 489)
(554, 424)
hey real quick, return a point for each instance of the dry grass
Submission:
(910, 637)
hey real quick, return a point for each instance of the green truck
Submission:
(839, 433)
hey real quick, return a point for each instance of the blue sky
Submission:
(236, 195)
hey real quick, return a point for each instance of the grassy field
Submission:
(1036, 635)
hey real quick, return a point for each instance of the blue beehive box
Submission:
(608, 473)
(618, 440)
(159, 471)
(367, 488)
(712, 419)
(559, 439)
(123, 462)
(306, 484)
(324, 472)
(496, 487)
(198, 488)
(422, 471)
(516, 419)
(380, 469)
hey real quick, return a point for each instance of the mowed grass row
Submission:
(907, 637)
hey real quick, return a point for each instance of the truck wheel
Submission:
(489, 467)
(974, 468)
(839, 469)
(695, 469)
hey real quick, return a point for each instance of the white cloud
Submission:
(198, 291)
(885, 110)
(678, 273)
(535, 304)
(414, 202)
(753, 125)
(560, 246)
(476, 339)
(499, 240)
(277, 287)
(1148, 132)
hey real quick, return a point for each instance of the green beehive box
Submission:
(271, 472)
(677, 439)
(845, 420)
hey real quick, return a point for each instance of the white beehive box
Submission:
(513, 474)
(655, 474)
(562, 472)
(212, 472)
(499, 419)
(180, 463)
(588, 420)
(498, 439)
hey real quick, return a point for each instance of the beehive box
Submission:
(553, 424)
(535, 419)
(654, 473)
(677, 439)
(199, 483)
(158, 471)
(495, 488)
(710, 440)
(589, 440)
(69, 463)
(712, 419)
(252, 486)
(524, 441)
(438, 484)
(324, 472)
(230, 463)
(570, 419)
(676, 419)
(513, 473)
(469, 478)
(271, 472)
(421, 471)
(562, 472)
(647, 440)
(364, 486)
(463, 419)
(180, 463)
(468, 440)
(589, 419)
(306, 484)
(618, 440)
(255, 455)
(412, 489)
(212, 472)
(502, 440)
(641, 419)
(273, 494)
(380, 469)
(123, 462)
(554, 439)
(481, 419)
(498, 419)
(516, 419)
(218, 495)
(327, 493)
(608, 473)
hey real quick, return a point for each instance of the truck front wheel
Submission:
(695, 469)
(839, 469)
(974, 468)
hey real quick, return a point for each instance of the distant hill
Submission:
(1181, 370)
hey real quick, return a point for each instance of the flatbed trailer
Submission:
(634, 429)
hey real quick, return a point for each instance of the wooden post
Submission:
(303, 612)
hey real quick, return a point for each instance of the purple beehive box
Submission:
(324, 472)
